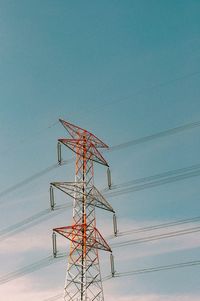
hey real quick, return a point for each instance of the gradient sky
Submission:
(123, 70)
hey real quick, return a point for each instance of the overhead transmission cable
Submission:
(133, 142)
(24, 140)
(166, 174)
(31, 221)
(120, 189)
(174, 223)
(161, 181)
(161, 84)
(158, 135)
(142, 271)
(156, 237)
(152, 87)
(160, 268)
(62, 255)
(42, 263)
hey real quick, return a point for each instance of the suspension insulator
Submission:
(52, 203)
(54, 244)
(109, 178)
(59, 153)
(112, 265)
(115, 224)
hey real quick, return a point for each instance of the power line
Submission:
(159, 268)
(142, 271)
(158, 135)
(42, 263)
(156, 237)
(192, 74)
(27, 181)
(166, 174)
(195, 172)
(31, 221)
(112, 148)
(158, 226)
(158, 85)
(47, 214)
(24, 140)
(152, 184)
(26, 270)
(54, 298)
(142, 183)
(50, 260)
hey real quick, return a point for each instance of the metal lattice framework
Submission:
(83, 277)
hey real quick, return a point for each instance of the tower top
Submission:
(77, 132)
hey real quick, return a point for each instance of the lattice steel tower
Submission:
(83, 277)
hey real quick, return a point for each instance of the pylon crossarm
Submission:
(70, 188)
(92, 194)
(98, 200)
(78, 132)
(101, 241)
(77, 146)
(75, 233)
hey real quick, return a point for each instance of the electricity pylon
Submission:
(83, 276)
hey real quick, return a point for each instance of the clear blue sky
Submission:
(123, 70)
